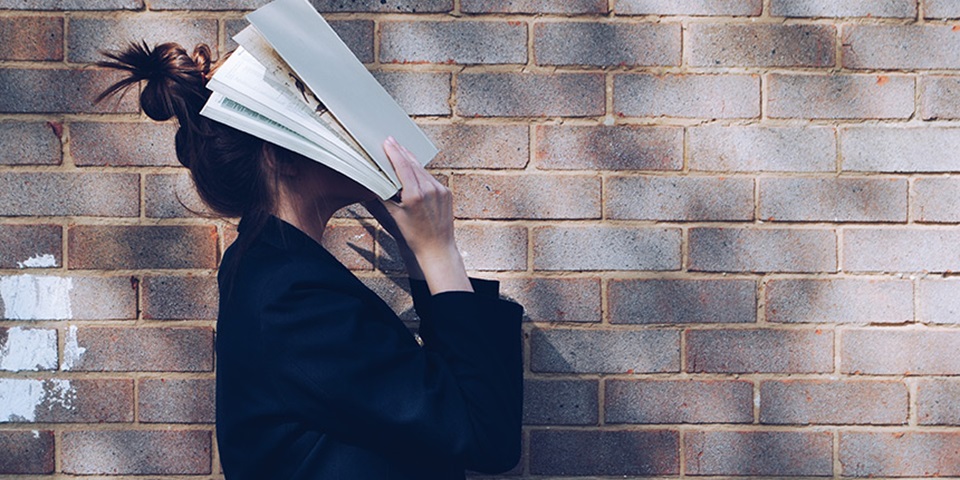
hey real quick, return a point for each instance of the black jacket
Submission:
(317, 378)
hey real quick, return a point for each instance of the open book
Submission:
(294, 83)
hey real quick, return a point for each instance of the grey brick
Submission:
(689, 7)
(85, 36)
(939, 301)
(123, 144)
(762, 250)
(606, 248)
(463, 42)
(900, 250)
(533, 6)
(172, 196)
(759, 351)
(937, 402)
(498, 247)
(24, 245)
(939, 97)
(604, 452)
(479, 146)
(29, 143)
(384, 6)
(49, 193)
(936, 200)
(137, 452)
(177, 400)
(418, 93)
(560, 402)
(64, 91)
(750, 45)
(833, 402)
(679, 198)
(846, 8)
(656, 301)
(608, 148)
(525, 196)
(555, 299)
(607, 44)
(139, 349)
(759, 453)
(896, 351)
(530, 95)
(207, 4)
(840, 96)
(899, 454)
(105, 247)
(839, 301)
(180, 298)
(71, 5)
(941, 9)
(695, 96)
(678, 401)
(833, 199)
(900, 47)
(765, 149)
(883, 149)
(604, 351)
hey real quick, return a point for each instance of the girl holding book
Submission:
(317, 378)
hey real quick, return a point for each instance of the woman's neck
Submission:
(308, 215)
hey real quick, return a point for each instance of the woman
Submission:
(316, 376)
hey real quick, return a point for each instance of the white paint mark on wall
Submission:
(29, 349)
(72, 351)
(39, 261)
(20, 398)
(32, 297)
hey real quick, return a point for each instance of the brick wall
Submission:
(732, 223)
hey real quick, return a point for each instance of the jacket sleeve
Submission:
(362, 378)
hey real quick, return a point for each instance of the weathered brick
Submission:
(143, 349)
(30, 246)
(899, 454)
(653, 301)
(751, 45)
(530, 95)
(87, 36)
(136, 452)
(846, 8)
(941, 9)
(384, 6)
(937, 402)
(796, 199)
(833, 402)
(67, 401)
(678, 401)
(900, 47)
(939, 301)
(179, 298)
(395, 291)
(606, 248)
(900, 249)
(90, 194)
(759, 351)
(607, 44)
(71, 5)
(839, 301)
(533, 6)
(936, 200)
(762, 250)
(464, 42)
(138, 247)
(483, 247)
(555, 299)
(28, 349)
(352, 245)
(526, 196)
(418, 93)
(356, 34)
(608, 148)
(207, 4)
(678, 198)
(759, 453)
(31, 38)
(65, 91)
(560, 402)
(172, 196)
(763, 149)
(882, 149)
(479, 146)
(891, 351)
(604, 452)
(123, 144)
(689, 7)
(695, 96)
(30, 143)
(26, 451)
(173, 400)
(840, 96)
(48, 297)
(939, 97)
(604, 351)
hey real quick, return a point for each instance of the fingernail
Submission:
(392, 140)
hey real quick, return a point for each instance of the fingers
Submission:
(402, 165)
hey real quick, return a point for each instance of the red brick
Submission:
(840, 96)
(833, 402)
(604, 452)
(658, 301)
(762, 250)
(23, 245)
(31, 38)
(462, 42)
(207, 4)
(71, 400)
(608, 148)
(846, 8)
(526, 196)
(87, 194)
(939, 97)
(71, 4)
(123, 144)
(180, 298)
(533, 6)
(418, 93)
(30, 143)
(137, 452)
(762, 149)
(936, 200)
(144, 349)
(759, 453)
(172, 196)
(899, 454)
(87, 36)
(385, 6)
(140, 247)
(937, 402)
(939, 301)
(555, 299)
(833, 199)
(604, 351)
(483, 247)
(751, 45)
(896, 351)
(848, 300)
(560, 402)
(901, 47)
(65, 91)
(530, 95)
(687, 96)
(678, 198)
(607, 44)
(26, 451)
(606, 248)
(173, 400)
(883, 149)
(678, 401)
(900, 250)
(759, 351)
(479, 146)
(689, 7)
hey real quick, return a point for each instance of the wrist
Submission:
(443, 269)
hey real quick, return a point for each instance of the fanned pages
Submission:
(294, 83)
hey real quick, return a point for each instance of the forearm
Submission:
(443, 269)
